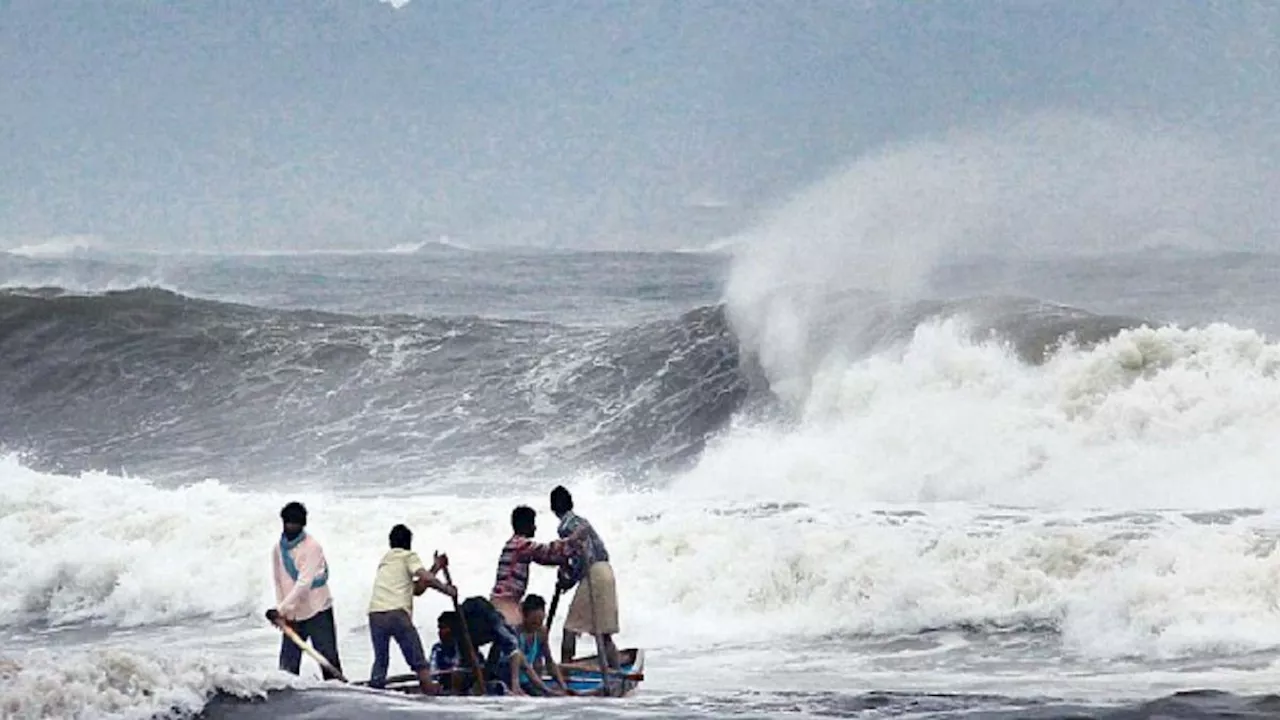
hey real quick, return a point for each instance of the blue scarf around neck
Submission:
(285, 546)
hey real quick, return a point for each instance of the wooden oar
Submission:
(555, 602)
(551, 616)
(305, 647)
(478, 688)
(405, 678)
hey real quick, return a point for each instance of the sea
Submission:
(1013, 487)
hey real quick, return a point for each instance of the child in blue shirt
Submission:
(448, 667)
(534, 654)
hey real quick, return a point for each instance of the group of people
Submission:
(510, 621)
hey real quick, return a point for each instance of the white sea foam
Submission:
(117, 683)
(1156, 417)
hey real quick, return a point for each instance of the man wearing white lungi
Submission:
(594, 610)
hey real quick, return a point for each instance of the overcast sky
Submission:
(355, 122)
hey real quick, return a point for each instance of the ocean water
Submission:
(1036, 488)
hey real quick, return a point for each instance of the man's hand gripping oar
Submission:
(283, 625)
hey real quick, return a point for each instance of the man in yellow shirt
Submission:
(400, 577)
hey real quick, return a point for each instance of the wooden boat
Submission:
(582, 675)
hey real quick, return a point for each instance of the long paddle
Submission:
(305, 647)
(555, 602)
(478, 688)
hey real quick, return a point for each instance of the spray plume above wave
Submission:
(1029, 188)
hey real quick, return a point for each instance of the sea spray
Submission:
(1047, 185)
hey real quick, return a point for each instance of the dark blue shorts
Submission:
(395, 625)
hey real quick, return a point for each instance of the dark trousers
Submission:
(383, 627)
(319, 629)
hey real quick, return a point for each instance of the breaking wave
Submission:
(153, 382)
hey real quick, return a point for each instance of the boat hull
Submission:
(582, 676)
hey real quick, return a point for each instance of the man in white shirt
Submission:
(400, 577)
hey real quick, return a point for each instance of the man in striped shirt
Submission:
(513, 563)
